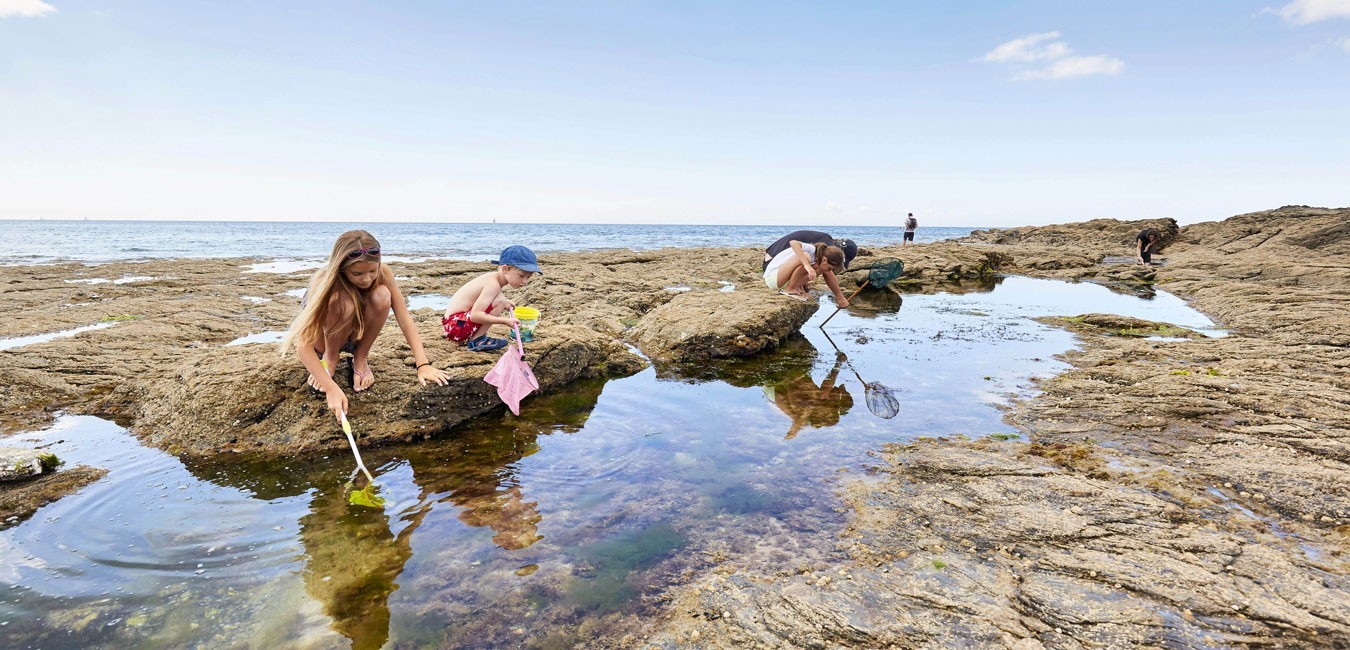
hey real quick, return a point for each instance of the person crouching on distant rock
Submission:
(792, 270)
(818, 239)
(1145, 245)
(344, 309)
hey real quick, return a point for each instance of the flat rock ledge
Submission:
(701, 325)
(20, 499)
(259, 402)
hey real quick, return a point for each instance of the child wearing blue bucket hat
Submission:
(472, 308)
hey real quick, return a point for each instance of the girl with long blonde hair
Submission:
(344, 309)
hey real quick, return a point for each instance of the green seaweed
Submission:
(117, 319)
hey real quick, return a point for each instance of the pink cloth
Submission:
(512, 376)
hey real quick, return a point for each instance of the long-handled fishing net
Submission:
(880, 400)
(882, 273)
(365, 496)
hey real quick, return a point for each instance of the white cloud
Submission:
(1302, 12)
(1028, 48)
(1048, 47)
(1343, 43)
(25, 8)
(1076, 66)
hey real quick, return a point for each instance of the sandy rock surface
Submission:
(1191, 493)
(696, 326)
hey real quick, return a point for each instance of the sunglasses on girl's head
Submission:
(373, 251)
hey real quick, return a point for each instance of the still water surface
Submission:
(564, 524)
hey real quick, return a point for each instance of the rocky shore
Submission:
(156, 354)
(1181, 493)
(1186, 492)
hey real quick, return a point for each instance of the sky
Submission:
(784, 112)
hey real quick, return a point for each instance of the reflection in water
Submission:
(964, 287)
(808, 404)
(352, 560)
(875, 302)
(352, 556)
(881, 401)
(796, 356)
(475, 472)
(479, 476)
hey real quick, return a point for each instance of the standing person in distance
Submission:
(911, 224)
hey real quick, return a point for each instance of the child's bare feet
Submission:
(802, 296)
(362, 376)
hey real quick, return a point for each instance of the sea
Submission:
(46, 242)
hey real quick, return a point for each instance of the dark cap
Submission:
(519, 257)
(850, 249)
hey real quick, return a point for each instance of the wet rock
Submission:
(19, 499)
(709, 325)
(1085, 235)
(17, 463)
(1124, 326)
(927, 264)
(254, 400)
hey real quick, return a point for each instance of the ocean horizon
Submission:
(100, 241)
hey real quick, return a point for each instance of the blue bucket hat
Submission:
(519, 257)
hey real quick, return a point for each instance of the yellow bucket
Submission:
(529, 318)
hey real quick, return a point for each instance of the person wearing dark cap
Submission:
(471, 309)
(911, 224)
(815, 237)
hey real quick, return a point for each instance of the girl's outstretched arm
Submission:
(833, 283)
(425, 371)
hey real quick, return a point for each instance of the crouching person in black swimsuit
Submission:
(1145, 245)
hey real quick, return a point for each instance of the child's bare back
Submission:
(484, 286)
(479, 304)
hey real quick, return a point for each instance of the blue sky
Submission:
(972, 113)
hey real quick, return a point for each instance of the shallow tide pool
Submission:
(564, 524)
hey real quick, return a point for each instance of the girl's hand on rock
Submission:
(337, 401)
(430, 373)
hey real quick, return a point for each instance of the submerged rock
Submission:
(710, 325)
